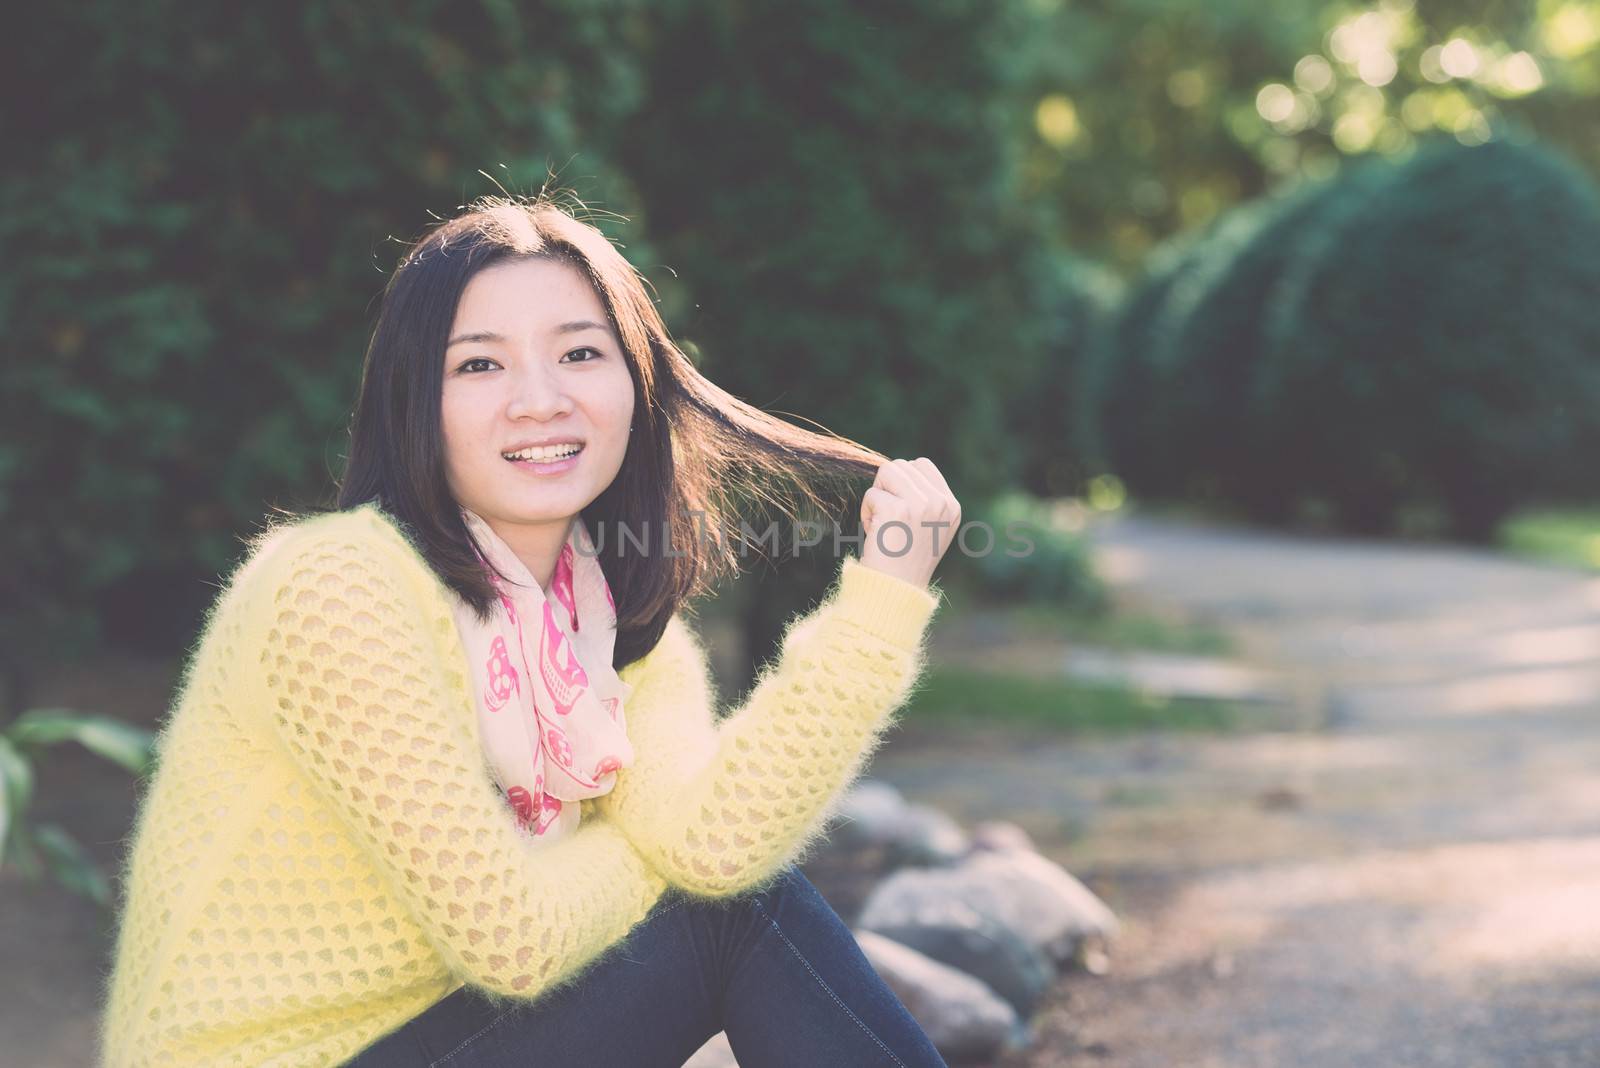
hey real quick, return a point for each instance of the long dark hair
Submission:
(698, 462)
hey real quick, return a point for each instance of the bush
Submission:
(1040, 399)
(1413, 332)
(1120, 418)
(1433, 338)
(1056, 569)
(1209, 342)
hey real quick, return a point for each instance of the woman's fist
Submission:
(909, 518)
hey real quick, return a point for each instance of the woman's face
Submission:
(532, 358)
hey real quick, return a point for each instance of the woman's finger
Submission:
(899, 476)
(931, 469)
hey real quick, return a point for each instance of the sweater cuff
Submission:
(884, 605)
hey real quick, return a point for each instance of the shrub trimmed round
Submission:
(1435, 337)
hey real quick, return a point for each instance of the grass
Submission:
(953, 693)
(1122, 630)
(949, 695)
(1569, 536)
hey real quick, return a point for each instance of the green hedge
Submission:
(1121, 411)
(1208, 339)
(825, 197)
(1414, 332)
(1435, 339)
(196, 238)
(1081, 297)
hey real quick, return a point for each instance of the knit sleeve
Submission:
(720, 810)
(371, 711)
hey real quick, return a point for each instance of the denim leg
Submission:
(802, 993)
(777, 970)
(648, 1000)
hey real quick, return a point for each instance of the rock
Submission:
(965, 1019)
(1032, 897)
(870, 814)
(862, 846)
(917, 908)
(1092, 956)
(1280, 797)
(999, 835)
(928, 837)
(874, 815)
(1039, 899)
(847, 877)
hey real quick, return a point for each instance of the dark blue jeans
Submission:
(778, 970)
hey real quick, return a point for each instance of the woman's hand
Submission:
(914, 497)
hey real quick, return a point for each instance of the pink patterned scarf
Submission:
(550, 705)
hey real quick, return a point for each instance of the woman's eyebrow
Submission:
(565, 328)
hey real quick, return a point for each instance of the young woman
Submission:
(445, 781)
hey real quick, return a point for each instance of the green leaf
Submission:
(23, 855)
(71, 866)
(121, 743)
(16, 789)
(5, 820)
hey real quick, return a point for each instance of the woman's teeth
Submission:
(544, 453)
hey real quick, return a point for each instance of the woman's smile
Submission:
(546, 468)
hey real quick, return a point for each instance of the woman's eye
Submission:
(466, 365)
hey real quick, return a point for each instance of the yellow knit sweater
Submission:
(322, 853)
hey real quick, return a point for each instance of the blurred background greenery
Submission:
(1298, 263)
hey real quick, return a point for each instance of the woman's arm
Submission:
(360, 691)
(719, 810)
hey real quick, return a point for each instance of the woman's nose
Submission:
(538, 392)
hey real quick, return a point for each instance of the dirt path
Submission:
(1408, 874)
